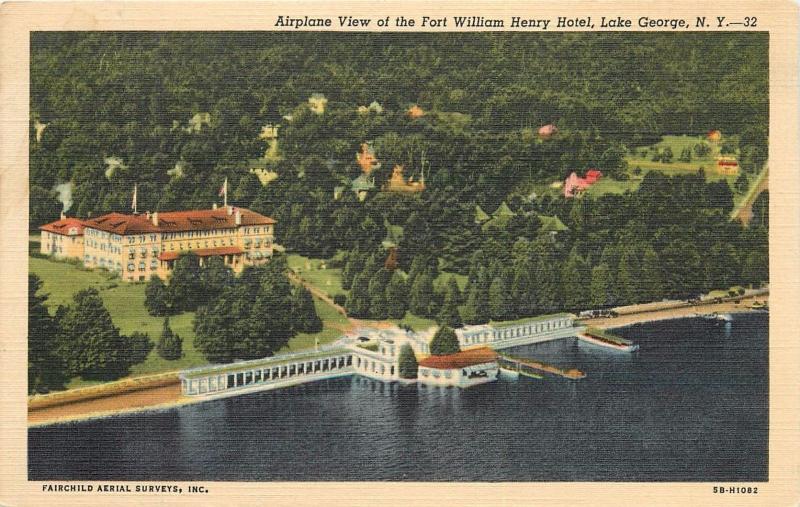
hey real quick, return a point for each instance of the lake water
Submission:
(690, 405)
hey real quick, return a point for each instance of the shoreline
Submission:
(167, 397)
(675, 313)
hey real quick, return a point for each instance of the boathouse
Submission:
(462, 369)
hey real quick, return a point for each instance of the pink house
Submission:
(575, 183)
(547, 131)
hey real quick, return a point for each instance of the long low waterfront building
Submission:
(375, 354)
(522, 332)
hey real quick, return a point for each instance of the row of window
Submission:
(437, 373)
(230, 380)
(142, 265)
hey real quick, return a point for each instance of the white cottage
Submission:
(462, 369)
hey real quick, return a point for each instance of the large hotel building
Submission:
(139, 246)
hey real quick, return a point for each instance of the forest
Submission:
(179, 113)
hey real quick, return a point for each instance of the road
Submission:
(673, 313)
(746, 210)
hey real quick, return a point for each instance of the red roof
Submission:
(461, 359)
(731, 163)
(201, 252)
(65, 226)
(176, 221)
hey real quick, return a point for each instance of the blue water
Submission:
(691, 405)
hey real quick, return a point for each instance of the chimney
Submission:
(155, 218)
(147, 214)
(238, 217)
(63, 215)
(230, 210)
(214, 206)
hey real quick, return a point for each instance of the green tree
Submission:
(742, 183)
(629, 277)
(422, 295)
(44, 207)
(653, 280)
(353, 266)
(223, 324)
(378, 308)
(215, 276)
(601, 286)
(90, 344)
(755, 268)
(185, 289)
(156, 297)
(761, 210)
(448, 315)
(46, 370)
(396, 296)
(444, 342)
(306, 319)
(358, 298)
(500, 302)
(666, 155)
(476, 308)
(140, 347)
(575, 281)
(407, 362)
(170, 345)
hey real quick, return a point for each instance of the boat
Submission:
(607, 340)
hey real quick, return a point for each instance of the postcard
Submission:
(350, 253)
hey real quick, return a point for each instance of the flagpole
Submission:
(135, 207)
(225, 191)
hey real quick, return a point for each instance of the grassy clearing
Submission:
(125, 303)
(416, 323)
(444, 277)
(328, 280)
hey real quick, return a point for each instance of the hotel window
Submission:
(153, 264)
(130, 267)
(153, 237)
(131, 254)
(141, 266)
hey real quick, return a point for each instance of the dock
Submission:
(603, 338)
(532, 368)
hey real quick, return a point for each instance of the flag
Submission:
(133, 204)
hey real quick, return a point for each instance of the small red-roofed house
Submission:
(592, 176)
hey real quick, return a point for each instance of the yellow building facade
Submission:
(62, 239)
(137, 247)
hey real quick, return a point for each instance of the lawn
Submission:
(675, 167)
(125, 303)
(441, 281)
(328, 280)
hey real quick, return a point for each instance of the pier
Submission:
(533, 368)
